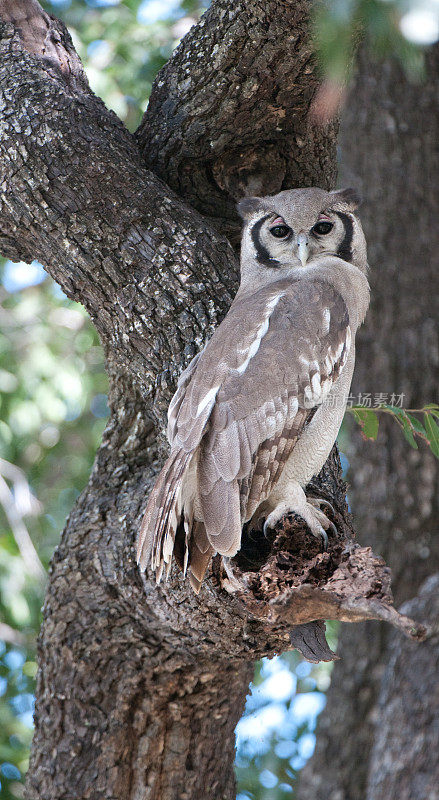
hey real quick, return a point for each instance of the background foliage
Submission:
(53, 390)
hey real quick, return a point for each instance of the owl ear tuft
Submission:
(349, 197)
(248, 206)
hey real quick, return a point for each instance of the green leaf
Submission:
(432, 430)
(417, 424)
(368, 422)
(407, 431)
(399, 412)
(433, 408)
(406, 422)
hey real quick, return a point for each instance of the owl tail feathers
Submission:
(222, 512)
(201, 551)
(155, 543)
(165, 513)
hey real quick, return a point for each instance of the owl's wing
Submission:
(178, 398)
(298, 352)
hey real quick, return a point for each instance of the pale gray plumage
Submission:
(256, 412)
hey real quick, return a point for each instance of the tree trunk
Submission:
(378, 737)
(139, 688)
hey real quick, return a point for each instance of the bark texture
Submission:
(367, 745)
(139, 687)
(228, 114)
(404, 759)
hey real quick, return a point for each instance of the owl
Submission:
(257, 411)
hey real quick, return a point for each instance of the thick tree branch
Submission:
(145, 266)
(228, 114)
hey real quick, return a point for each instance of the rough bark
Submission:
(228, 114)
(389, 141)
(134, 678)
(404, 759)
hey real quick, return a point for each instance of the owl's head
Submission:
(297, 226)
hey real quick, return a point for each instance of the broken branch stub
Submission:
(291, 580)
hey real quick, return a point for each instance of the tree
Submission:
(377, 737)
(139, 688)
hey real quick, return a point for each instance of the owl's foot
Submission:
(309, 510)
(231, 583)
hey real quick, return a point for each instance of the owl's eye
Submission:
(322, 228)
(280, 231)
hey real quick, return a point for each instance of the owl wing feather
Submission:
(241, 406)
(178, 398)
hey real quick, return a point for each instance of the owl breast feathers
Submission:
(256, 413)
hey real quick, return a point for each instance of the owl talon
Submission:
(267, 528)
(231, 584)
(316, 502)
(325, 540)
(317, 522)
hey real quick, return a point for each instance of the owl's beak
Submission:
(302, 248)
